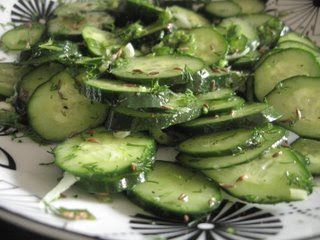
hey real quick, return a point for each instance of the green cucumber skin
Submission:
(112, 185)
(207, 147)
(162, 211)
(145, 78)
(127, 99)
(273, 136)
(121, 121)
(269, 115)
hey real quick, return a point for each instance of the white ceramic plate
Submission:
(23, 180)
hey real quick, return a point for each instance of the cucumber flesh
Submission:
(175, 191)
(99, 41)
(98, 154)
(65, 9)
(23, 37)
(297, 100)
(222, 93)
(247, 116)
(257, 19)
(223, 105)
(250, 6)
(223, 9)
(293, 36)
(275, 177)
(207, 44)
(299, 45)
(272, 137)
(37, 77)
(281, 65)
(166, 69)
(73, 25)
(220, 143)
(67, 111)
(311, 150)
(185, 18)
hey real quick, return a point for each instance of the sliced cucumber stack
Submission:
(277, 176)
(283, 64)
(125, 94)
(247, 116)
(179, 109)
(221, 143)
(105, 163)
(269, 137)
(175, 191)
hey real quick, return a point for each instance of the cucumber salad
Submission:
(109, 82)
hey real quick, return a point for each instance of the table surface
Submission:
(13, 232)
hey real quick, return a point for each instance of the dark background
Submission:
(11, 232)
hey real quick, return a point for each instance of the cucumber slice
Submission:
(185, 18)
(175, 191)
(23, 37)
(221, 93)
(67, 112)
(125, 94)
(10, 75)
(244, 28)
(208, 45)
(98, 41)
(281, 65)
(293, 36)
(311, 150)
(223, 9)
(257, 19)
(223, 105)
(299, 45)
(275, 177)
(166, 69)
(221, 143)
(272, 136)
(298, 102)
(247, 116)
(250, 6)
(98, 154)
(66, 9)
(37, 77)
(179, 110)
(73, 25)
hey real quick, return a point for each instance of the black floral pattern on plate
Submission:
(8, 161)
(231, 221)
(25, 11)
